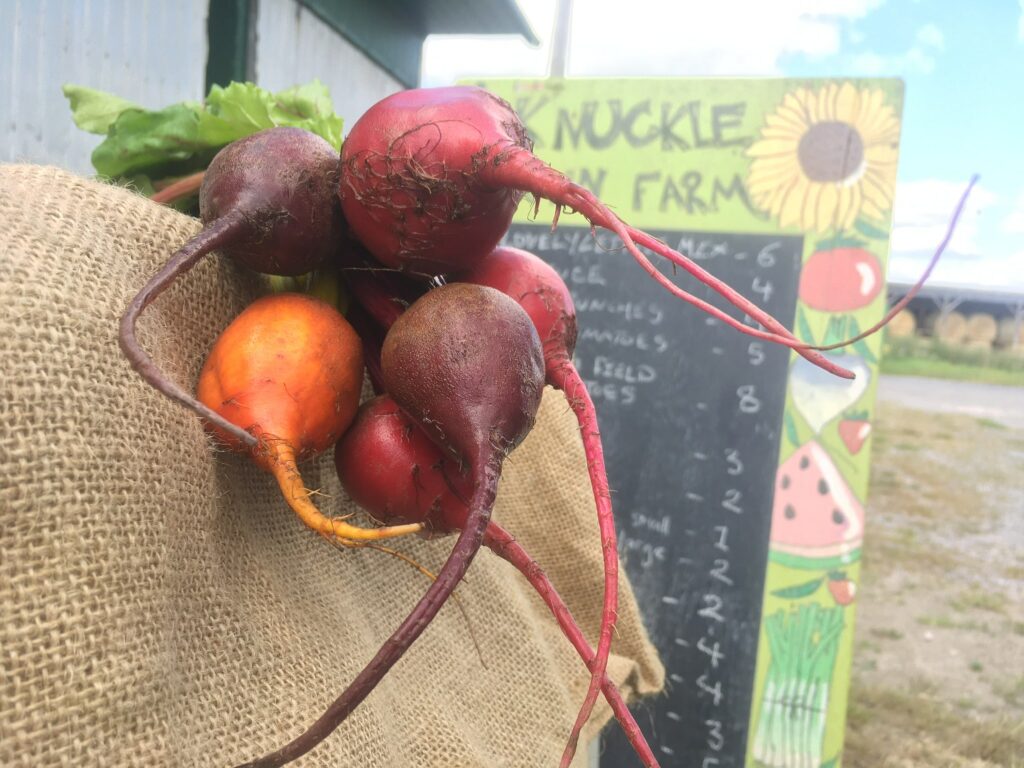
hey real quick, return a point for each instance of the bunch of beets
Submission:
(459, 337)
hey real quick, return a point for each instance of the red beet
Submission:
(431, 178)
(544, 295)
(393, 471)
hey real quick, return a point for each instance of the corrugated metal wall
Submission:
(152, 52)
(149, 51)
(294, 46)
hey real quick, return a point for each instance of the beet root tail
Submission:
(222, 232)
(505, 546)
(462, 554)
(902, 303)
(575, 390)
(282, 466)
(522, 170)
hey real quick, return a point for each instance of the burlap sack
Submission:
(161, 605)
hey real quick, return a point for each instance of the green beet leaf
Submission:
(243, 108)
(182, 138)
(140, 139)
(95, 111)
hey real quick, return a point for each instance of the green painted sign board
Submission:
(740, 471)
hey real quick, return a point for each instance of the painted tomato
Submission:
(840, 279)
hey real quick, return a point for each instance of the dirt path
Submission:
(939, 660)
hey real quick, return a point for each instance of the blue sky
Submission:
(962, 63)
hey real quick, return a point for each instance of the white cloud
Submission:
(923, 211)
(931, 36)
(919, 58)
(1005, 272)
(1014, 222)
(653, 37)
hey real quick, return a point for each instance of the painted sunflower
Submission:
(824, 158)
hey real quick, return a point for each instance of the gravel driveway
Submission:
(1003, 404)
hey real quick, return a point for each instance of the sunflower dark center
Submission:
(831, 151)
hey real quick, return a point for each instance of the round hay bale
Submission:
(903, 325)
(950, 329)
(981, 327)
(1010, 333)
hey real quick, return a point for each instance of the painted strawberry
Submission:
(840, 279)
(843, 590)
(853, 433)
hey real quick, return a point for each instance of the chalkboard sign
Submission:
(784, 188)
(690, 412)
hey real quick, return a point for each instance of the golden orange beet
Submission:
(289, 370)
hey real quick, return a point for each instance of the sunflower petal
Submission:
(825, 99)
(847, 103)
(791, 206)
(826, 215)
(801, 100)
(786, 119)
(847, 205)
(808, 212)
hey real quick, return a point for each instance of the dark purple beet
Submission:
(465, 362)
(284, 183)
(269, 202)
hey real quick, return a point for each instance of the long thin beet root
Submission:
(464, 362)
(538, 289)
(410, 480)
(503, 544)
(268, 202)
(525, 169)
(898, 307)
(432, 177)
(224, 231)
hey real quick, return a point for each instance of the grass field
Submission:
(925, 357)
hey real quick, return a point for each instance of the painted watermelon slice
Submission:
(817, 521)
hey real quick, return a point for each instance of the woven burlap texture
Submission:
(161, 605)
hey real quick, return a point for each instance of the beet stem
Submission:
(462, 554)
(373, 342)
(223, 231)
(184, 187)
(503, 544)
(373, 297)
